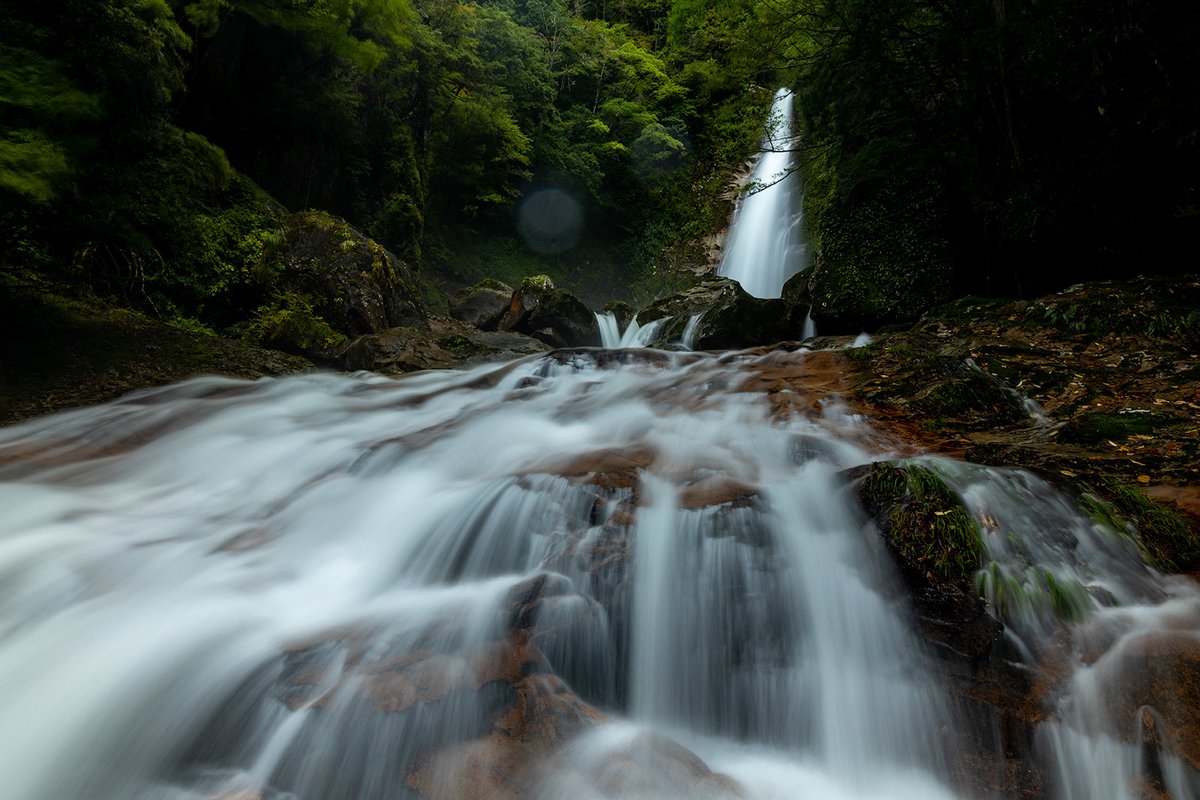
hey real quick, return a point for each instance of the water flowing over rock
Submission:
(718, 315)
(596, 573)
(766, 244)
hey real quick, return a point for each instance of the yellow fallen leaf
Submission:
(1143, 478)
(1068, 474)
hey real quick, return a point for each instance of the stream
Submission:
(296, 587)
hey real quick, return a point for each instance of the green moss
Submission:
(882, 254)
(492, 283)
(1165, 307)
(1096, 427)
(620, 308)
(539, 281)
(188, 324)
(458, 344)
(926, 523)
(948, 398)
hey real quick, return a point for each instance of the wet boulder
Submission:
(483, 305)
(350, 281)
(720, 315)
(551, 315)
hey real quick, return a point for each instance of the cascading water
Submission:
(766, 235)
(635, 335)
(513, 582)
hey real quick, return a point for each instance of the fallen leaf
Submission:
(1143, 478)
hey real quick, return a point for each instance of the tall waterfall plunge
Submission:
(766, 235)
(518, 582)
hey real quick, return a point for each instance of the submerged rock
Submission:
(1157, 675)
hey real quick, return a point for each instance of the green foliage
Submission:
(423, 123)
(40, 107)
(289, 323)
(1058, 133)
(926, 523)
(882, 252)
(1164, 536)
(1165, 307)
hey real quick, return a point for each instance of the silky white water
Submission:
(636, 335)
(291, 588)
(766, 243)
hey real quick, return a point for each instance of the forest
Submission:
(150, 147)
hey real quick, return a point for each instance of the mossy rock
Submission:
(882, 256)
(954, 394)
(352, 284)
(936, 545)
(552, 315)
(1098, 427)
(524, 299)
(924, 522)
(1165, 307)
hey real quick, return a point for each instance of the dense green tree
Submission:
(135, 134)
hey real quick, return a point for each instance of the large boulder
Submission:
(350, 281)
(483, 305)
(552, 315)
(729, 318)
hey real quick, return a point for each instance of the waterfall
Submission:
(809, 330)
(635, 335)
(519, 581)
(610, 329)
(766, 235)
